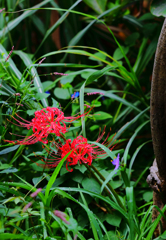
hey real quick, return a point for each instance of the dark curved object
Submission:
(158, 104)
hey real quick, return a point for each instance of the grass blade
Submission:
(12, 65)
(27, 61)
(134, 156)
(113, 96)
(131, 140)
(12, 24)
(94, 229)
(56, 25)
(54, 175)
(42, 213)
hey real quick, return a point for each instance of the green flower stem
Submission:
(110, 188)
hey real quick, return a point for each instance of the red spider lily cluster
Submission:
(47, 121)
(51, 121)
(81, 152)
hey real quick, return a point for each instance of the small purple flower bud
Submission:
(19, 104)
(75, 237)
(27, 206)
(61, 74)
(36, 192)
(87, 106)
(61, 215)
(1, 10)
(17, 94)
(9, 54)
(42, 60)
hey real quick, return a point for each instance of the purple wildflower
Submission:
(61, 74)
(17, 94)
(61, 215)
(1, 10)
(86, 105)
(94, 93)
(27, 206)
(19, 104)
(116, 161)
(75, 95)
(42, 60)
(75, 237)
(36, 192)
(9, 54)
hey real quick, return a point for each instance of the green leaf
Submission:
(14, 236)
(97, 5)
(114, 219)
(31, 112)
(69, 78)
(9, 149)
(55, 224)
(98, 74)
(118, 53)
(4, 93)
(91, 184)
(158, 8)
(147, 196)
(96, 103)
(112, 235)
(81, 168)
(40, 96)
(4, 166)
(62, 93)
(163, 236)
(54, 103)
(9, 170)
(98, 54)
(101, 115)
(130, 40)
(133, 20)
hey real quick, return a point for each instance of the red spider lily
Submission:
(46, 121)
(83, 152)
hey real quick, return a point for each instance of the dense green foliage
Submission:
(103, 46)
